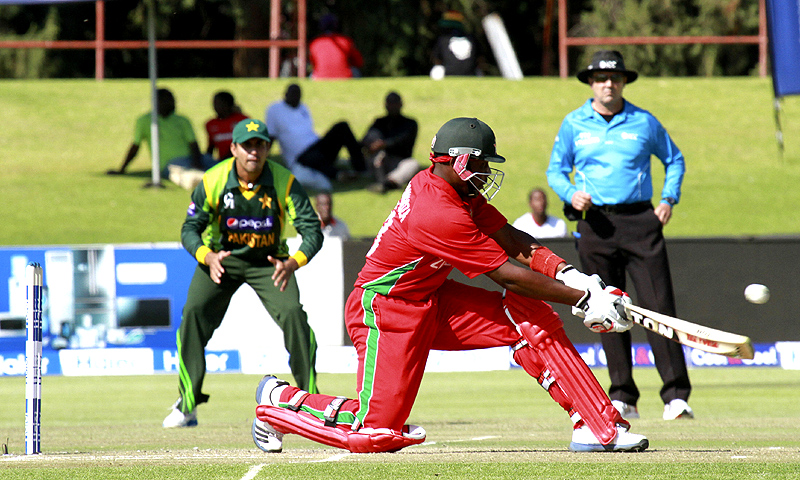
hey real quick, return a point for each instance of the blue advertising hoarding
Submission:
(98, 296)
(115, 310)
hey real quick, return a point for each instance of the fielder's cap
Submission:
(250, 128)
(607, 61)
(466, 135)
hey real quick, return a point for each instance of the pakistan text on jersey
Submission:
(252, 240)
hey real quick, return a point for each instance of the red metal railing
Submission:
(100, 44)
(564, 41)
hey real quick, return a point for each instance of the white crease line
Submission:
(475, 439)
(334, 458)
(251, 474)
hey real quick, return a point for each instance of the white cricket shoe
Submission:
(176, 418)
(627, 411)
(265, 389)
(268, 392)
(677, 409)
(583, 440)
(414, 431)
(266, 437)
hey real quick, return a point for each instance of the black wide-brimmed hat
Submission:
(607, 61)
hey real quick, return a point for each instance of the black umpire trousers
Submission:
(323, 153)
(630, 239)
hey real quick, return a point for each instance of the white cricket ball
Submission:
(756, 293)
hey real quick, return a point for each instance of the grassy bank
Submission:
(60, 136)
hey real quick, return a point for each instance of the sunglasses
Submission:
(603, 77)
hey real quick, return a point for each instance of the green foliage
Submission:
(395, 36)
(608, 18)
(404, 30)
(27, 63)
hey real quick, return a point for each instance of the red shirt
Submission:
(220, 131)
(430, 231)
(332, 55)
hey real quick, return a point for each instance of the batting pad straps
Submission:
(543, 260)
(297, 400)
(332, 411)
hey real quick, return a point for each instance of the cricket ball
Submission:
(756, 293)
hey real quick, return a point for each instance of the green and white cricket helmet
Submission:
(466, 135)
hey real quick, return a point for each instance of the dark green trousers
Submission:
(206, 304)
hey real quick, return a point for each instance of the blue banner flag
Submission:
(783, 24)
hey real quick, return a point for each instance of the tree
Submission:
(394, 36)
(675, 17)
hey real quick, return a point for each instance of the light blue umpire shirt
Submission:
(612, 159)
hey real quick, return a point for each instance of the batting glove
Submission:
(571, 277)
(603, 311)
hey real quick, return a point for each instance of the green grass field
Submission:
(60, 136)
(492, 425)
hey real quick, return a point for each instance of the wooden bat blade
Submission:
(693, 335)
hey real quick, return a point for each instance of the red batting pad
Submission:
(551, 358)
(580, 391)
(366, 440)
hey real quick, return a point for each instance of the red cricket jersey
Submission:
(431, 231)
(220, 133)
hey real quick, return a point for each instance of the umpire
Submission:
(234, 227)
(608, 142)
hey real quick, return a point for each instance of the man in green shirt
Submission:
(234, 228)
(177, 143)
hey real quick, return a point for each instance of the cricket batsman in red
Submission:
(403, 306)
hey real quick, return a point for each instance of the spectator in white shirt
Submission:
(537, 222)
(311, 158)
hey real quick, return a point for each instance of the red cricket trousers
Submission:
(393, 337)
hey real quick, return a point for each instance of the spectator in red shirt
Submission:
(334, 55)
(220, 129)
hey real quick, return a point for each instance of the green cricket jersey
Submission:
(249, 222)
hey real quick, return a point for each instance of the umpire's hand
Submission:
(283, 270)
(664, 212)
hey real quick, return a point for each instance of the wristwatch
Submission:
(670, 200)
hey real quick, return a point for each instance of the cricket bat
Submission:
(693, 335)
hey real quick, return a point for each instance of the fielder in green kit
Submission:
(234, 227)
